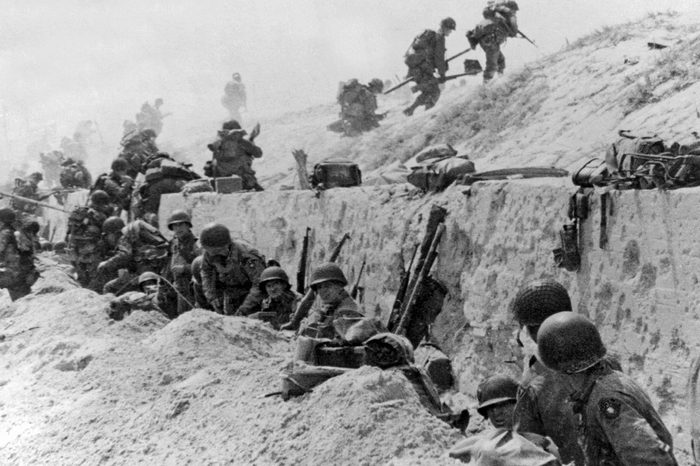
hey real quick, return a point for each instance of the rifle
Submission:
(301, 269)
(338, 248)
(401, 294)
(455, 76)
(407, 316)
(403, 83)
(526, 38)
(33, 201)
(356, 286)
(308, 299)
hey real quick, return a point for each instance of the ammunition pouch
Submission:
(567, 256)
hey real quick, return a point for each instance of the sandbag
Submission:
(440, 174)
(501, 447)
(437, 151)
(302, 379)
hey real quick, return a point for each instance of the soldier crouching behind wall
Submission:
(278, 300)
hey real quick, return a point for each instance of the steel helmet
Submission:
(120, 164)
(46, 245)
(376, 85)
(112, 225)
(448, 23)
(231, 125)
(37, 176)
(538, 300)
(568, 342)
(179, 216)
(388, 349)
(99, 197)
(32, 227)
(60, 246)
(273, 273)
(146, 277)
(328, 272)
(7, 215)
(496, 390)
(215, 235)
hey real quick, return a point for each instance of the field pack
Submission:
(336, 173)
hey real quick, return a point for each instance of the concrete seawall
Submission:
(642, 289)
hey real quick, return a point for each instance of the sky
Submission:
(63, 61)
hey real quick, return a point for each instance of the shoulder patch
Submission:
(609, 408)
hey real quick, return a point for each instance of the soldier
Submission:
(141, 248)
(183, 250)
(333, 311)
(74, 175)
(499, 23)
(617, 423)
(233, 155)
(542, 406)
(150, 117)
(83, 237)
(358, 104)
(28, 188)
(496, 397)
(51, 166)
(425, 56)
(230, 271)
(107, 247)
(137, 149)
(200, 301)
(10, 270)
(235, 97)
(117, 184)
(27, 245)
(279, 301)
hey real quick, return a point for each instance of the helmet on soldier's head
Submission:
(7, 216)
(146, 277)
(31, 227)
(112, 225)
(159, 101)
(538, 300)
(568, 342)
(215, 235)
(448, 23)
(236, 76)
(179, 216)
(496, 390)
(231, 124)
(60, 246)
(36, 176)
(67, 162)
(99, 197)
(46, 245)
(376, 85)
(119, 164)
(328, 272)
(273, 273)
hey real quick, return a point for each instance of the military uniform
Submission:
(276, 311)
(230, 283)
(542, 408)
(27, 244)
(182, 252)
(617, 423)
(358, 105)
(118, 187)
(499, 23)
(426, 56)
(137, 149)
(25, 188)
(323, 316)
(75, 175)
(10, 270)
(233, 155)
(196, 289)
(142, 248)
(84, 241)
(234, 98)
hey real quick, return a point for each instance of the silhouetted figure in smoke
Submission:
(150, 117)
(235, 98)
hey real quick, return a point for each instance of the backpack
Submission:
(436, 151)
(620, 156)
(85, 223)
(420, 48)
(170, 169)
(439, 174)
(349, 92)
(336, 173)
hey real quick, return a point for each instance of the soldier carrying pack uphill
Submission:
(425, 56)
(358, 104)
(233, 154)
(499, 23)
